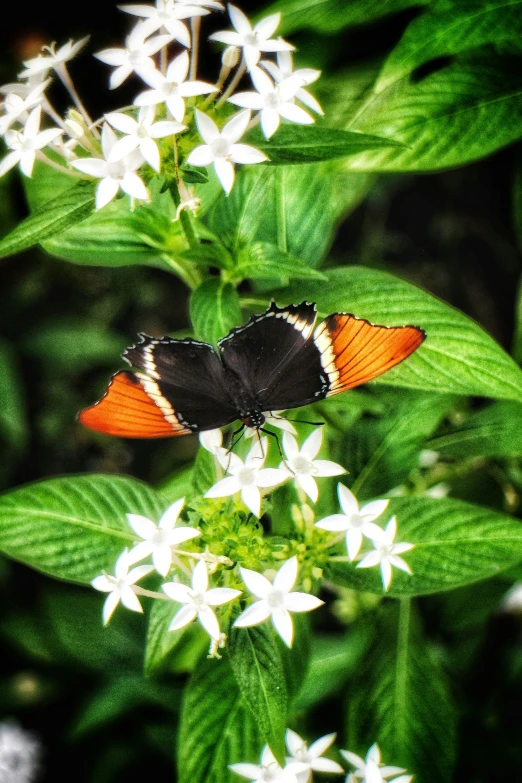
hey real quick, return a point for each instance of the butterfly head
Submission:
(253, 419)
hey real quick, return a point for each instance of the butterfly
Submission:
(277, 361)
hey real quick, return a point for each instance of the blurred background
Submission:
(77, 686)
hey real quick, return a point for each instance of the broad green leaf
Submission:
(74, 345)
(214, 310)
(160, 641)
(73, 527)
(295, 144)
(178, 485)
(493, 432)
(401, 699)
(216, 727)
(204, 474)
(457, 357)
(456, 544)
(257, 666)
(462, 112)
(57, 216)
(328, 16)
(454, 28)
(516, 349)
(13, 420)
(263, 260)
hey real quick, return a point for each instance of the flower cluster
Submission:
(304, 760)
(164, 128)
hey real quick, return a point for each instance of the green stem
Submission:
(188, 228)
(185, 270)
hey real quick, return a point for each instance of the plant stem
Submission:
(63, 75)
(185, 270)
(233, 84)
(195, 26)
(70, 172)
(149, 593)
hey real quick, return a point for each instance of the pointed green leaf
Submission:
(493, 432)
(263, 260)
(13, 420)
(160, 641)
(214, 310)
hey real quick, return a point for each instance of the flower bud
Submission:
(230, 57)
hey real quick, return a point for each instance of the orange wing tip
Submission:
(126, 410)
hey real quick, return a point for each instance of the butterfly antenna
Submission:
(299, 421)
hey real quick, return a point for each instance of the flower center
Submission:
(221, 148)
(275, 599)
(303, 466)
(273, 100)
(115, 170)
(246, 477)
(198, 601)
(142, 132)
(169, 88)
(251, 39)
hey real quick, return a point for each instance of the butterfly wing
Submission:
(181, 389)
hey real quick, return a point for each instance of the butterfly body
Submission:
(277, 361)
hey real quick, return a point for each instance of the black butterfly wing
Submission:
(181, 389)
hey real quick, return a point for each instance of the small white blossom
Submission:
(200, 4)
(357, 522)
(268, 770)
(172, 89)
(221, 147)
(386, 554)
(120, 586)
(198, 601)
(285, 68)
(159, 539)
(273, 101)
(302, 466)
(114, 176)
(212, 440)
(248, 477)
(166, 14)
(253, 40)
(274, 418)
(141, 134)
(512, 601)
(311, 756)
(55, 59)
(17, 107)
(135, 57)
(19, 754)
(371, 769)
(25, 144)
(276, 600)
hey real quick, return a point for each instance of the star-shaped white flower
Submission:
(357, 522)
(54, 59)
(302, 466)
(114, 176)
(198, 601)
(253, 40)
(120, 586)
(268, 770)
(159, 539)
(285, 68)
(311, 756)
(166, 14)
(172, 89)
(371, 769)
(17, 107)
(247, 477)
(275, 419)
(25, 144)
(222, 149)
(386, 554)
(276, 600)
(212, 441)
(135, 57)
(141, 134)
(273, 101)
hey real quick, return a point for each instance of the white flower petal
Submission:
(182, 534)
(123, 147)
(178, 592)
(325, 765)
(111, 602)
(191, 89)
(290, 446)
(354, 759)
(46, 137)
(321, 745)
(122, 122)
(325, 467)
(138, 573)
(258, 584)
(370, 560)
(225, 173)
(200, 577)
(9, 162)
(354, 539)
(305, 97)
(312, 445)
(248, 100)
(276, 46)
(142, 526)
(94, 167)
(209, 621)
(133, 186)
(162, 559)
(239, 20)
(227, 37)
(129, 599)
(286, 577)
(374, 509)
(283, 624)
(295, 114)
(267, 26)
(236, 127)
(122, 565)
(294, 742)
(178, 69)
(149, 150)
(103, 584)
(261, 81)
(398, 562)
(254, 615)
(221, 595)
(270, 121)
(386, 573)
(373, 531)
(249, 771)
(118, 76)
(336, 523)
(185, 616)
(208, 130)
(301, 602)
(140, 552)
(391, 528)
(112, 56)
(251, 55)
(347, 500)
(251, 497)
(398, 549)
(170, 516)
(227, 486)
(271, 477)
(27, 162)
(308, 485)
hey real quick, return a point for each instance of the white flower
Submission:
(273, 418)
(142, 134)
(357, 522)
(386, 554)
(268, 770)
(212, 441)
(120, 586)
(247, 477)
(16, 107)
(273, 101)
(136, 56)
(276, 600)
(285, 68)
(172, 89)
(167, 14)
(512, 601)
(114, 176)
(55, 59)
(302, 465)
(200, 4)
(253, 40)
(25, 143)
(222, 149)
(310, 756)
(159, 539)
(19, 754)
(371, 770)
(198, 601)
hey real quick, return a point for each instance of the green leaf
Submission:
(258, 669)
(73, 527)
(179, 484)
(66, 210)
(204, 475)
(516, 349)
(74, 345)
(14, 427)
(294, 144)
(493, 432)
(456, 544)
(216, 727)
(401, 700)
(214, 310)
(454, 28)
(329, 16)
(160, 641)
(457, 357)
(462, 112)
(264, 260)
